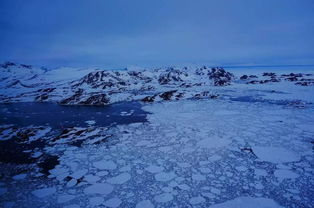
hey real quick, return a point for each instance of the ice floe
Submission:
(119, 179)
(275, 154)
(99, 188)
(41, 193)
(248, 202)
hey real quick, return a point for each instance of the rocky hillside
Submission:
(91, 86)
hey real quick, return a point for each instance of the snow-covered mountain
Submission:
(91, 86)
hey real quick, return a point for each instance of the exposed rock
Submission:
(73, 99)
(101, 99)
(244, 77)
(270, 74)
(305, 83)
(167, 95)
(220, 76)
(171, 76)
(205, 94)
(253, 82)
(291, 79)
(149, 99)
(7, 64)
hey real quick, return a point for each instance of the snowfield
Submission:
(240, 145)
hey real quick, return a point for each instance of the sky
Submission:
(121, 33)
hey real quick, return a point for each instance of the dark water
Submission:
(58, 116)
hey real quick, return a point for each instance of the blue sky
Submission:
(156, 32)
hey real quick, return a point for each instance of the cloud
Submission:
(156, 32)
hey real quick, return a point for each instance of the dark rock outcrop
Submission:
(101, 99)
(171, 76)
(220, 76)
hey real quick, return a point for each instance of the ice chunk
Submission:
(144, 204)
(96, 201)
(247, 202)
(282, 174)
(105, 165)
(90, 122)
(154, 169)
(72, 183)
(114, 202)
(65, 198)
(79, 174)
(165, 176)
(72, 206)
(99, 188)
(198, 177)
(41, 193)
(120, 179)
(197, 200)
(165, 197)
(213, 142)
(91, 178)
(275, 154)
(19, 177)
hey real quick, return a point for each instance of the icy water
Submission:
(58, 116)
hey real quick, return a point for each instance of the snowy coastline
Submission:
(240, 144)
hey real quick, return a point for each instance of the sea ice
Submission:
(248, 202)
(120, 179)
(65, 198)
(99, 188)
(79, 174)
(197, 200)
(165, 197)
(105, 165)
(213, 142)
(41, 193)
(282, 174)
(96, 201)
(275, 154)
(144, 204)
(198, 177)
(154, 169)
(90, 122)
(165, 176)
(114, 202)
(19, 177)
